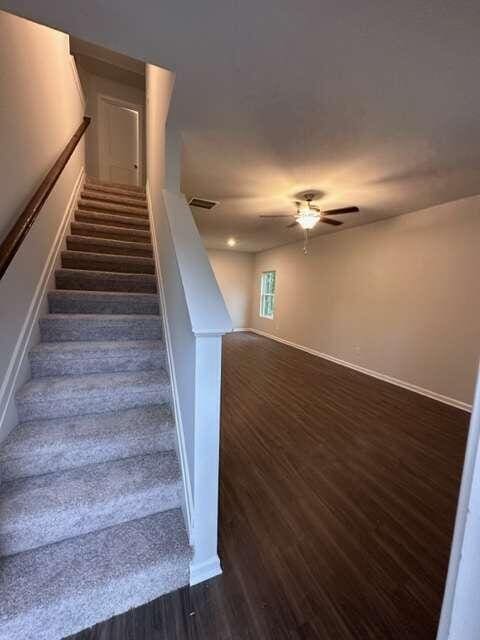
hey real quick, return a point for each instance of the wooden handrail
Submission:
(17, 233)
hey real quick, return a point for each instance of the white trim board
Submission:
(369, 372)
(78, 82)
(204, 571)
(187, 505)
(12, 378)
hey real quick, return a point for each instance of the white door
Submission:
(120, 142)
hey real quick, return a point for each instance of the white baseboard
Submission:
(205, 570)
(369, 372)
(18, 361)
(241, 329)
(187, 503)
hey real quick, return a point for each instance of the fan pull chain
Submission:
(305, 242)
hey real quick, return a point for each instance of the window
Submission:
(267, 294)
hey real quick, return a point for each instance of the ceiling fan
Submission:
(308, 215)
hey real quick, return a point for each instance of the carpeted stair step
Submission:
(113, 208)
(58, 590)
(63, 396)
(107, 262)
(112, 220)
(114, 198)
(105, 281)
(60, 327)
(65, 301)
(78, 358)
(45, 446)
(91, 183)
(41, 510)
(113, 233)
(116, 191)
(103, 245)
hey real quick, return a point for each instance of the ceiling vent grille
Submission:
(202, 203)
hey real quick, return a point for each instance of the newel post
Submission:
(208, 371)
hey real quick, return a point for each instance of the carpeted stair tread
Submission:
(113, 233)
(91, 194)
(114, 208)
(46, 446)
(141, 196)
(99, 302)
(60, 589)
(60, 327)
(44, 509)
(63, 396)
(107, 262)
(104, 245)
(112, 220)
(78, 358)
(96, 182)
(105, 281)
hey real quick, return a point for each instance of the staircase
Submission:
(90, 519)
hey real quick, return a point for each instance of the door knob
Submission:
(135, 166)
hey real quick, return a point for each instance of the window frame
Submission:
(264, 295)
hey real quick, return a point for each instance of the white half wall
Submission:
(397, 297)
(460, 616)
(41, 109)
(195, 318)
(234, 272)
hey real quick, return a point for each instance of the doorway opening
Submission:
(120, 155)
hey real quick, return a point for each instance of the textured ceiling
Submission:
(374, 103)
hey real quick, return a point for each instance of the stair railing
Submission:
(24, 222)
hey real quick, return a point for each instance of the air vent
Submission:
(202, 203)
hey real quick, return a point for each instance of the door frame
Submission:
(103, 98)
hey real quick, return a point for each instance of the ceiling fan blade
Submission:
(336, 212)
(292, 224)
(280, 215)
(333, 222)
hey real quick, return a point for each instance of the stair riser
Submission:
(78, 304)
(91, 262)
(91, 281)
(114, 247)
(121, 222)
(118, 209)
(111, 198)
(137, 212)
(53, 329)
(110, 233)
(80, 519)
(96, 401)
(79, 365)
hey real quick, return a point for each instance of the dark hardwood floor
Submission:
(338, 494)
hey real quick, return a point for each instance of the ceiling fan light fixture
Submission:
(307, 220)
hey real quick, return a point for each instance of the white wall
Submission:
(399, 297)
(41, 109)
(234, 272)
(94, 86)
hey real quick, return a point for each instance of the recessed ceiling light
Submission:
(231, 242)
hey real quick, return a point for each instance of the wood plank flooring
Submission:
(338, 495)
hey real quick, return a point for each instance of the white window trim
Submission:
(263, 295)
